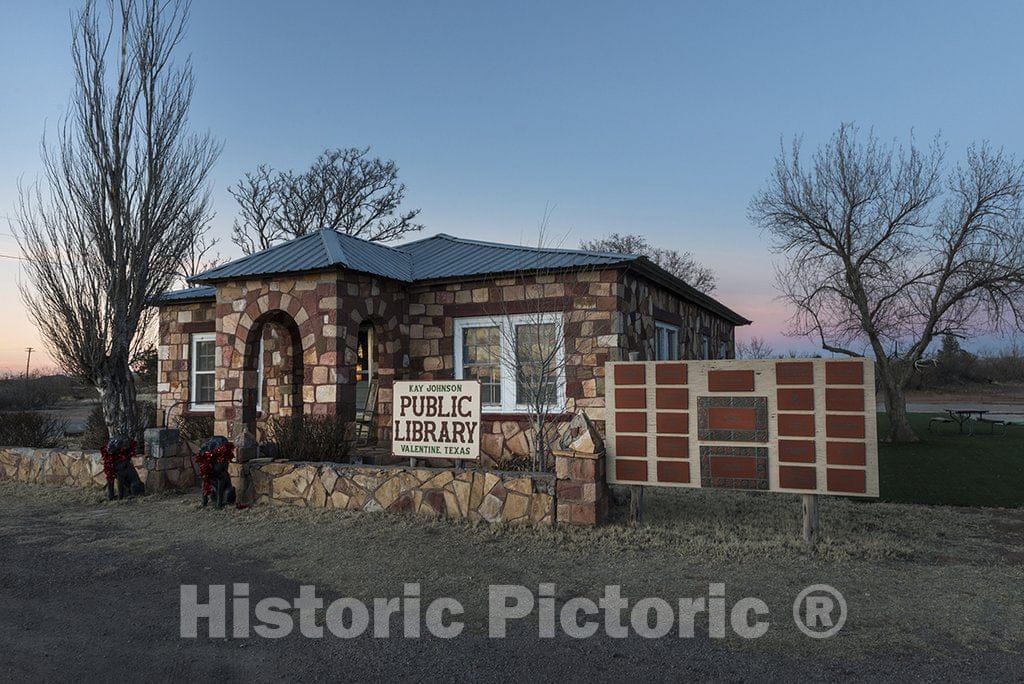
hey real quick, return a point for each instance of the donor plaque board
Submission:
(436, 419)
(805, 426)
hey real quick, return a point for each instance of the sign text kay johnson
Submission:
(437, 419)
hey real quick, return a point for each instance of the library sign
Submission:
(436, 419)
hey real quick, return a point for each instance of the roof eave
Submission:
(301, 271)
(471, 277)
(158, 302)
(649, 269)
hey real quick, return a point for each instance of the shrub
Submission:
(18, 393)
(95, 435)
(311, 438)
(31, 430)
(195, 428)
(516, 463)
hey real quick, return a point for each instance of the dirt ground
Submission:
(91, 588)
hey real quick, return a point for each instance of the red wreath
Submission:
(206, 460)
(110, 461)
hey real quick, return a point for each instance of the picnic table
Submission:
(968, 418)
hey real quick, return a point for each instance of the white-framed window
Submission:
(202, 370)
(516, 358)
(666, 346)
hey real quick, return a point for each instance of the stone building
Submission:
(312, 324)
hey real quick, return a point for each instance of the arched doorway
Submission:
(273, 369)
(367, 359)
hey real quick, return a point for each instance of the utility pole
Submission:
(28, 361)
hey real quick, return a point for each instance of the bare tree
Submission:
(199, 257)
(683, 265)
(344, 190)
(755, 348)
(537, 330)
(885, 248)
(124, 195)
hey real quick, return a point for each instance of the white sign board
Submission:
(436, 419)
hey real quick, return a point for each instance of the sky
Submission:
(654, 118)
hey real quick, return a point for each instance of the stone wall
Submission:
(574, 495)
(588, 301)
(382, 303)
(177, 323)
(642, 303)
(491, 496)
(324, 311)
(85, 468)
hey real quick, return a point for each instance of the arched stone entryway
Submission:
(273, 369)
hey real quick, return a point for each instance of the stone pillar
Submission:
(163, 466)
(580, 491)
(161, 442)
(581, 495)
(240, 480)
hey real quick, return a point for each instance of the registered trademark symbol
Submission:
(815, 611)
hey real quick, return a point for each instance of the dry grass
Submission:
(916, 578)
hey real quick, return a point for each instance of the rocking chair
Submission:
(366, 418)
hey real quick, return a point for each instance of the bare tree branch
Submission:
(886, 248)
(683, 265)
(124, 196)
(755, 348)
(344, 190)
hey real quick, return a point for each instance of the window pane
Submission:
(481, 360)
(204, 388)
(206, 355)
(536, 364)
(667, 346)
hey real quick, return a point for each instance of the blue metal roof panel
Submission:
(187, 295)
(369, 257)
(304, 253)
(316, 251)
(444, 256)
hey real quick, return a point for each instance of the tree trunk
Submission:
(896, 409)
(536, 448)
(117, 396)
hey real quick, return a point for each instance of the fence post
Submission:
(812, 530)
(636, 505)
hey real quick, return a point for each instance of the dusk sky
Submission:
(660, 119)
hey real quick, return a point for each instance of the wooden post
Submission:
(636, 505)
(812, 530)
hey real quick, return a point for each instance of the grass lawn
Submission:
(952, 469)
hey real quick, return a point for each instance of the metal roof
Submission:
(438, 257)
(187, 295)
(445, 256)
(317, 251)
